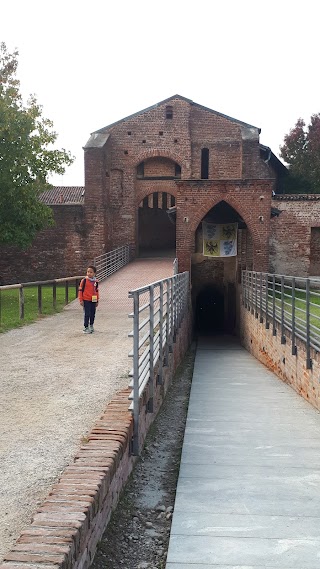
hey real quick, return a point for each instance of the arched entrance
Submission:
(156, 229)
(223, 246)
(155, 183)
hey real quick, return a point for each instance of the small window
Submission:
(140, 170)
(169, 112)
(204, 163)
(177, 170)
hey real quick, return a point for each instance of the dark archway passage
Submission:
(209, 311)
(156, 231)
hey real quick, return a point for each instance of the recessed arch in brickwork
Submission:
(144, 154)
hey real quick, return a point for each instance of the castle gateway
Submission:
(183, 180)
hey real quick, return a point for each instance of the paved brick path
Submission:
(55, 382)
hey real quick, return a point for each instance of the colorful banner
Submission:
(219, 240)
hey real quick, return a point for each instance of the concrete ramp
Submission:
(249, 483)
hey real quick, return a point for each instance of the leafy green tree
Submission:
(301, 151)
(27, 158)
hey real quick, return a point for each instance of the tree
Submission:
(27, 158)
(301, 151)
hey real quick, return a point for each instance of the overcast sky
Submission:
(91, 64)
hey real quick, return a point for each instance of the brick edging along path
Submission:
(67, 526)
(74, 511)
(57, 381)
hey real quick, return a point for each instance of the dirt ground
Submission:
(137, 536)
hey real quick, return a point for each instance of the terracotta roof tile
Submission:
(60, 195)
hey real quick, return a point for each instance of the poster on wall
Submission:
(219, 239)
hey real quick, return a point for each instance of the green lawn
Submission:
(9, 305)
(300, 305)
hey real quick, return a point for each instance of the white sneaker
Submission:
(91, 329)
(86, 331)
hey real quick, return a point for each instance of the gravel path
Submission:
(55, 382)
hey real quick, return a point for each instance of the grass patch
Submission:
(300, 306)
(9, 305)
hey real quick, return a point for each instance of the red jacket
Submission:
(88, 289)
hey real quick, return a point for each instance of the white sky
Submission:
(91, 64)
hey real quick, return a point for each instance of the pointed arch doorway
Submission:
(215, 277)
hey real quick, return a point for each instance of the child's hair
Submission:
(93, 268)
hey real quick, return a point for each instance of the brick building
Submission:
(200, 165)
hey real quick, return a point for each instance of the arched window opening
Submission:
(177, 172)
(140, 170)
(205, 163)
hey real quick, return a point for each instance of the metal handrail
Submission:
(110, 262)
(291, 302)
(158, 311)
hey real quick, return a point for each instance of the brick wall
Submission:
(315, 251)
(159, 167)
(290, 237)
(59, 251)
(268, 349)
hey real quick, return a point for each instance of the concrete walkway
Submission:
(55, 383)
(248, 494)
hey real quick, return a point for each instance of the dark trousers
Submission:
(89, 312)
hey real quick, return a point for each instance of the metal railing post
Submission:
(293, 318)
(135, 449)
(160, 374)
(171, 313)
(256, 295)
(274, 329)
(261, 316)
(308, 362)
(283, 337)
(243, 289)
(267, 302)
(151, 348)
(167, 323)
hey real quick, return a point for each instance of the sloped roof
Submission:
(63, 195)
(104, 129)
(268, 156)
(97, 140)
